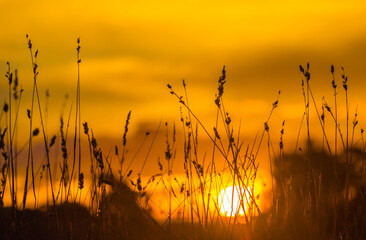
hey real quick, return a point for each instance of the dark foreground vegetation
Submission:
(317, 190)
(120, 218)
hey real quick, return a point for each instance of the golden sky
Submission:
(132, 49)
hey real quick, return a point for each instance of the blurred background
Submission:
(131, 50)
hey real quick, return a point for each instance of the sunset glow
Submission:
(156, 119)
(136, 48)
(232, 200)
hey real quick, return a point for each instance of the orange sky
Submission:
(131, 50)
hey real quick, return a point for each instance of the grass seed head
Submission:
(35, 132)
(126, 128)
(5, 107)
(86, 128)
(81, 181)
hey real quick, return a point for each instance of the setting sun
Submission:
(182, 120)
(232, 199)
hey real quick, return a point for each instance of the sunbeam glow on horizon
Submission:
(234, 201)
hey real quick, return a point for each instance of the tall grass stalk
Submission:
(345, 86)
(77, 144)
(35, 74)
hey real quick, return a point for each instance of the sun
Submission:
(232, 199)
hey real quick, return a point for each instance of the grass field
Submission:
(73, 189)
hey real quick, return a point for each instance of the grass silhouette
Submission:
(315, 193)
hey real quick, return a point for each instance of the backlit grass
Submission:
(314, 191)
